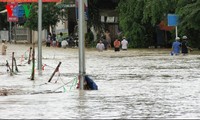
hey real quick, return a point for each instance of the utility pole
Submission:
(10, 31)
(39, 37)
(81, 44)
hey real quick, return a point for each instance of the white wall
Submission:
(4, 35)
(62, 27)
(35, 36)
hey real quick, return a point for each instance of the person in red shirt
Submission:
(117, 44)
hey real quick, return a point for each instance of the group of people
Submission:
(180, 46)
(101, 45)
(53, 40)
(123, 44)
(177, 46)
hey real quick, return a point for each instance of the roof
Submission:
(163, 26)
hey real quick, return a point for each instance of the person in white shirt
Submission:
(100, 46)
(64, 43)
(124, 43)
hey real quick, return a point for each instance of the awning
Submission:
(3, 11)
(163, 26)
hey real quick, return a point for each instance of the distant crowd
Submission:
(179, 45)
(59, 41)
(105, 43)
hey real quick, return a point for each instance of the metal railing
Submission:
(21, 34)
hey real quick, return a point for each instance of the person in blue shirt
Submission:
(176, 47)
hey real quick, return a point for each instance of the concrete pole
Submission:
(39, 37)
(81, 44)
(10, 31)
(176, 32)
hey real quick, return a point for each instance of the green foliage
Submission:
(51, 14)
(94, 16)
(189, 12)
(139, 18)
(3, 17)
(156, 10)
(131, 22)
(89, 39)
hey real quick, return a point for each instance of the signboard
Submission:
(19, 11)
(10, 15)
(172, 19)
(22, 10)
(29, 0)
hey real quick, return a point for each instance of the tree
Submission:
(51, 15)
(130, 16)
(139, 18)
(93, 13)
(189, 12)
(3, 17)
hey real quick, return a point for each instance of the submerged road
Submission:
(138, 83)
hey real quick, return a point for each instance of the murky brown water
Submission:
(132, 84)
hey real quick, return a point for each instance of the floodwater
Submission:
(145, 84)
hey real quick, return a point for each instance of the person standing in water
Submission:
(108, 38)
(185, 46)
(176, 46)
(100, 46)
(124, 43)
(117, 44)
(3, 47)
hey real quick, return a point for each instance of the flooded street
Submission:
(145, 83)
